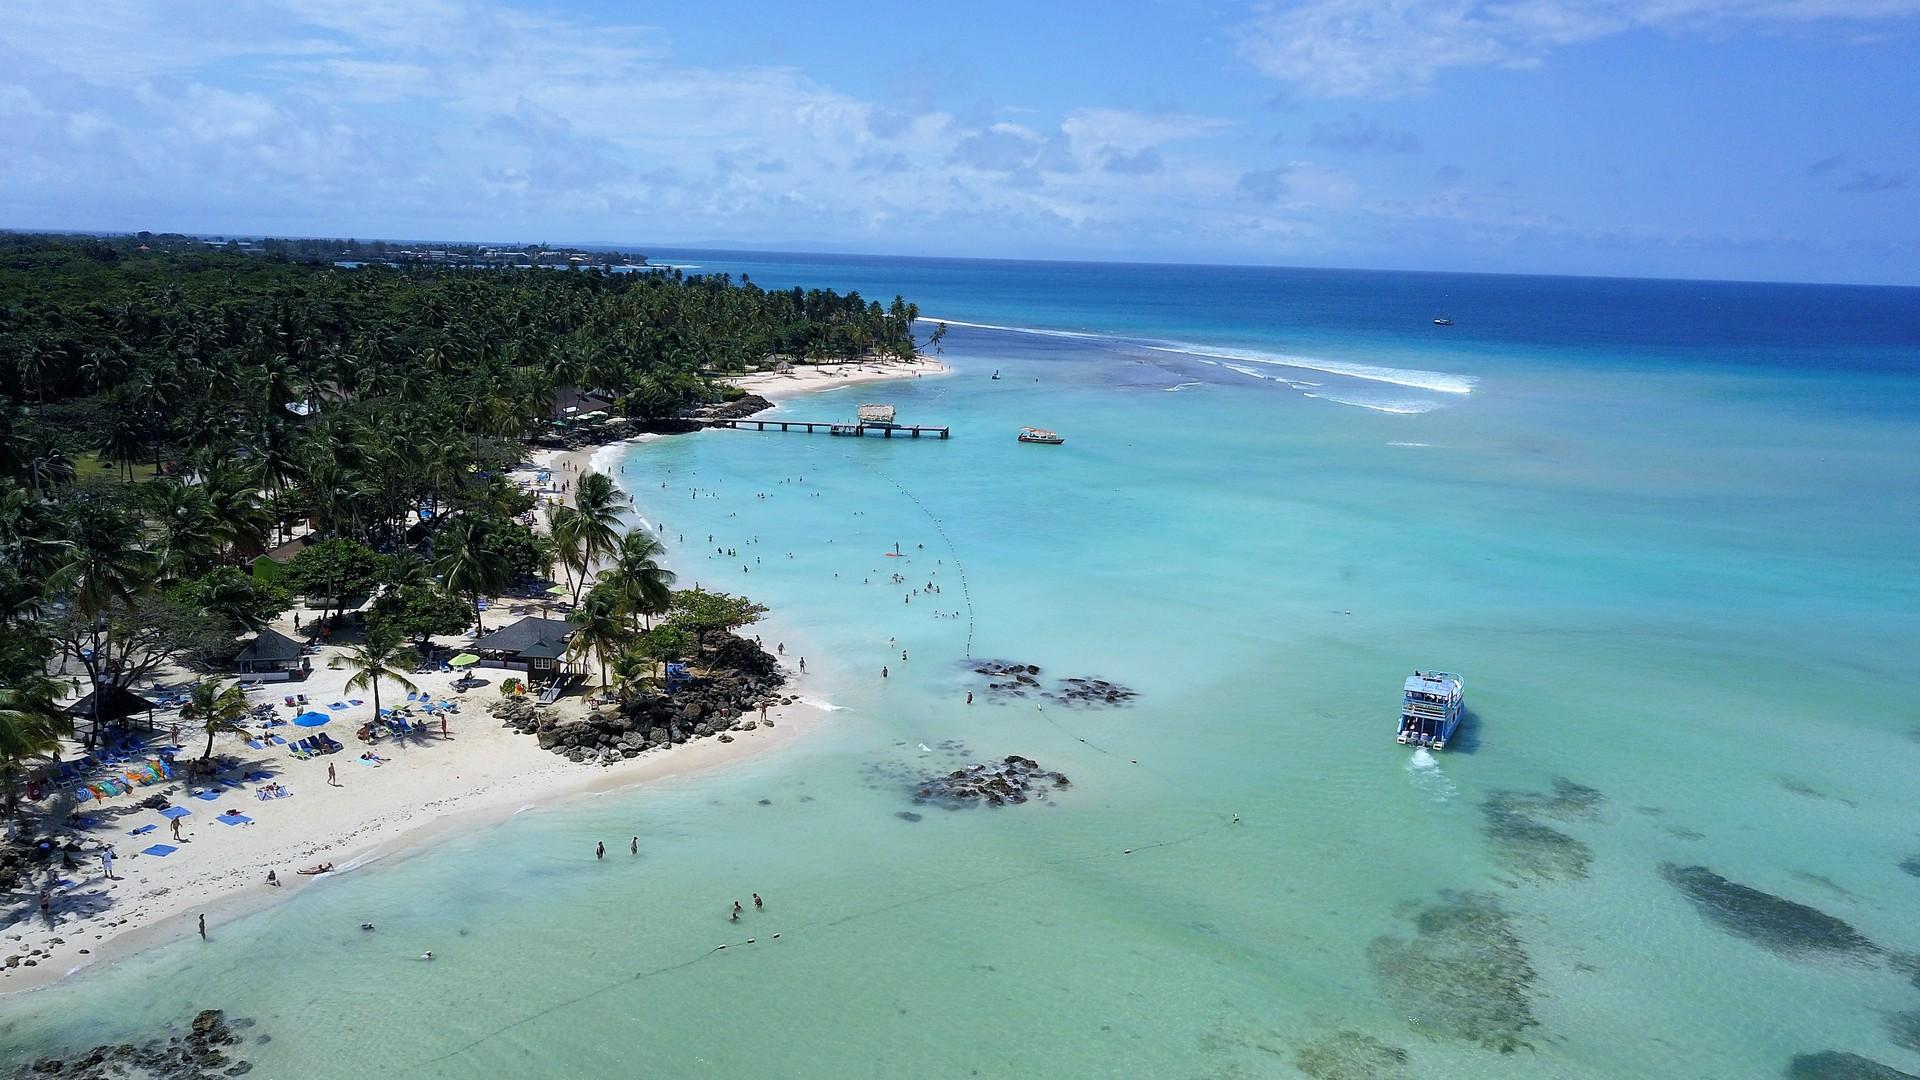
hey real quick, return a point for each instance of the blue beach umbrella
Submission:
(311, 719)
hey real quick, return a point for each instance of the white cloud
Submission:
(1384, 48)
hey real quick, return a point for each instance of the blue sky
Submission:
(1772, 139)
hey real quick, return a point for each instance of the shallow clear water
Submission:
(1668, 536)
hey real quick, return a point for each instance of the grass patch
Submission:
(90, 470)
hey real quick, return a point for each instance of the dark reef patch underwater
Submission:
(1352, 1055)
(1465, 973)
(1784, 926)
(1535, 852)
(1834, 1065)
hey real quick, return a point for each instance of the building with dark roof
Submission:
(273, 657)
(535, 645)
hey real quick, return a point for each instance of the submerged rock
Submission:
(1911, 864)
(1781, 925)
(1530, 849)
(194, 1056)
(1352, 1055)
(1464, 975)
(1834, 1065)
(1904, 1029)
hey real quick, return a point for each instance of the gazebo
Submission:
(117, 703)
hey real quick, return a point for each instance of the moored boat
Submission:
(1040, 435)
(1432, 709)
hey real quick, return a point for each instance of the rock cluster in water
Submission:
(741, 676)
(1781, 925)
(1014, 779)
(197, 1055)
(1464, 975)
(1012, 679)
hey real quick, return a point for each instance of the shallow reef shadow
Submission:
(1464, 975)
(1783, 926)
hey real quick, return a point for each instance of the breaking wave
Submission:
(1440, 382)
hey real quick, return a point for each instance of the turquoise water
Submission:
(1666, 531)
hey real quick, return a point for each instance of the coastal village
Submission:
(251, 690)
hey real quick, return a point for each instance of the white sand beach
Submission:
(477, 773)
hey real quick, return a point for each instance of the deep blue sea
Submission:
(1669, 533)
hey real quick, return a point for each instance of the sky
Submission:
(1745, 139)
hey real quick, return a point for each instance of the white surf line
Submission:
(1418, 378)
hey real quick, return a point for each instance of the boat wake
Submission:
(1182, 386)
(1424, 768)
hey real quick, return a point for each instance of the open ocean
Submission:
(1669, 532)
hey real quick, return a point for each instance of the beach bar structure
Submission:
(272, 657)
(534, 645)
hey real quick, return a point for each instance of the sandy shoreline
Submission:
(479, 774)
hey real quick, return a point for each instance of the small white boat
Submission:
(1442, 321)
(1040, 435)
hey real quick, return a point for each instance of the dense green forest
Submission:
(170, 410)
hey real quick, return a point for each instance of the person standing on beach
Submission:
(600, 850)
(106, 861)
(332, 780)
(176, 828)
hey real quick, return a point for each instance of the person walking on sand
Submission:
(332, 780)
(46, 905)
(600, 850)
(176, 828)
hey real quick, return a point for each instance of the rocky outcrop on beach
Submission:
(626, 427)
(736, 409)
(740, 677)
(1014, 679)
(1013, 779)
(200, 1054)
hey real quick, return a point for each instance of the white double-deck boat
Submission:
(1432, 709)
(1040, 435)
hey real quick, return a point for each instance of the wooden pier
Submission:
(857, 430)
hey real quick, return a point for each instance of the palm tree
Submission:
(377, 659)
(31, 723)
(593, 527)
(632, 673)
(216, 709)
(644, 588)
(467, 565)
(183, 522)
(598, 629)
